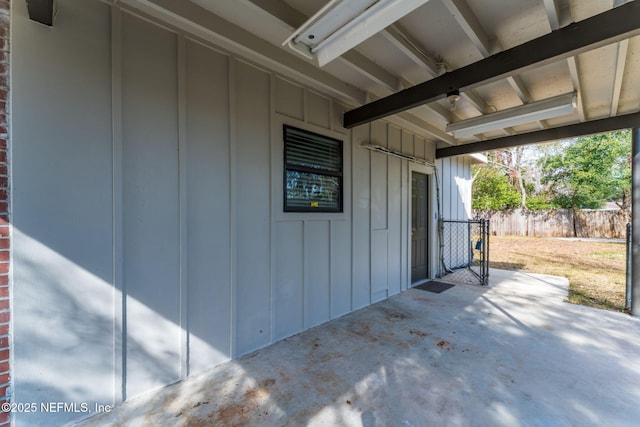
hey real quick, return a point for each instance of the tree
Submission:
(587, 172)
(493, 190)
(512, 159)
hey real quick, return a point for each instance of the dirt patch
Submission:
(326, 357)
(445, 345)
(391, 315)
(268, 382)
(418, 333)
(235, 414)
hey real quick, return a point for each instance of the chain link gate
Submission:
(464, 251)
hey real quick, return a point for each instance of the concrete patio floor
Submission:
(509, 354)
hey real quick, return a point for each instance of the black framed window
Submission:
(312, 172)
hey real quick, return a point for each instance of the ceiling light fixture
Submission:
(343, 24)
(540, 110)
(453, 97)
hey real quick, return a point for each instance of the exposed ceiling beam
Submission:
(553, 14)
(558, 13)
(476, 101)
(469, 23)
(363, 65)
(445, 113)
(283, 14)
(555, 22)
(282, 10)
(41, 11)
(410, 48)
(416, 124)
(572, 62)
(563, 132)
(519, 88)
(608, 27)
(621, 61)
(471, 26)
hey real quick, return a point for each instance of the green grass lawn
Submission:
(596, 271)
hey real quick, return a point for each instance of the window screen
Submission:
(313, 172)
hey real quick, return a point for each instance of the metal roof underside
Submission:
(498, 54)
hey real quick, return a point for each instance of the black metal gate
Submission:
(464, 251)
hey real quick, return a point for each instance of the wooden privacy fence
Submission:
(557, 223)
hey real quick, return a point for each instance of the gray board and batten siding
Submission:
(149, 236)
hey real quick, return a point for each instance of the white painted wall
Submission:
(150, 240)
(456, 184)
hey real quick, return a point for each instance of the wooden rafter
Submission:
(608, 27)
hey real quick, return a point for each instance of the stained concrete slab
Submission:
(513, 353)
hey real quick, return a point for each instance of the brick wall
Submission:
(5, 242)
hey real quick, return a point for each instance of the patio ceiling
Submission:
(498, 54)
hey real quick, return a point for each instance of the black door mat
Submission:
(435, 287)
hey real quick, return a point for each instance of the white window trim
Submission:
(277, 172)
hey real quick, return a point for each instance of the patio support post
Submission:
(635, 222)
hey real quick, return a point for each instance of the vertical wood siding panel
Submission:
(289, 269)
(461, 184)
(460, 187)
(337, 113)
(150, 204)
(253, 189)
(394, 212)
(404, 225)
(289, 99)
(319, 110)
(453, 188)
(420, 148)
(447, 189)
(316, 273)
(407, 148)
(208, 221)
(467, 200)
(379, 178)
(379, 267)
(63, 299)
(361, 194)
(340, 268)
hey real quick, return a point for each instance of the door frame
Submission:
(431, 225)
